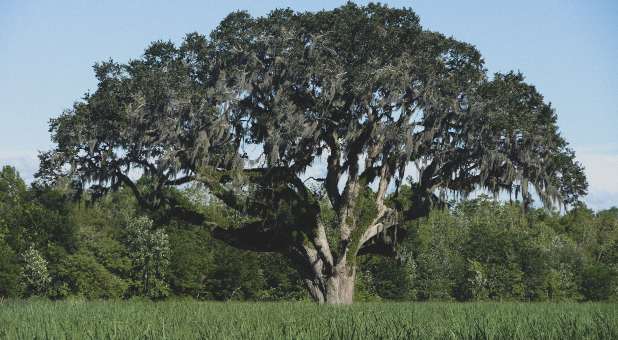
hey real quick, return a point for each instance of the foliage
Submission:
(35, 277)
(9, 271)
(479, 249)
(149, 252)
(81, 275)
(192, 259)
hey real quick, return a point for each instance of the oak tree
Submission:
(276, 114)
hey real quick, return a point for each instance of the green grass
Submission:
(210, 320)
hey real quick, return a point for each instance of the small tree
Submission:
(149, 251)
(35, 277)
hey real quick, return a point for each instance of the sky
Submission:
(568, 49)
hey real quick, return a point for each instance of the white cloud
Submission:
(601, 167)
(601, 170)
(599, 200)
(27, 163)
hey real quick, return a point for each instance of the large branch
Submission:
(388, 227)
(347, 218)
(138, 195)
(383, 243)
(333, 171)
(252, 236)
(217, 188)
(249, 236)
(310, 267)
(322, 247)
(180, 180)
(382, 187)
(376, 226)
(185, 214)
(383, 219)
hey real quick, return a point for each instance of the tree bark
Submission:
(340, 286)
(335, 289)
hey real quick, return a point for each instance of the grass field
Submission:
(209, 320)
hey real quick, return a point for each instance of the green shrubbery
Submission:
(476, 250)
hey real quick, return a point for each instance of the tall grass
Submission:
(209, 320)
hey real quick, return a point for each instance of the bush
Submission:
(82, 275)
(597, 282)
(35, 276)
(9, 271)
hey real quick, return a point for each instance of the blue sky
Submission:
(567, 48)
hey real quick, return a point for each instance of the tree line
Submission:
(54, 246)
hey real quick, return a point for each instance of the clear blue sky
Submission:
(567, 48)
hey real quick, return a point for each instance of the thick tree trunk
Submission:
(340, 286)
(337, 289)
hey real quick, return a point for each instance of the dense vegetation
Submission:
(194, 320)
(54, 246)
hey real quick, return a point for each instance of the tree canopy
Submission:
(359, 94)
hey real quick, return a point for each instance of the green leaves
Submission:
(149, 251)
(35, 277)
(288, 81)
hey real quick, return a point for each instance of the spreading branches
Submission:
(363, 86)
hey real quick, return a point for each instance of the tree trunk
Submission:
(340, 286)
(337, 289)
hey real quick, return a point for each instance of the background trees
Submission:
(475, 250)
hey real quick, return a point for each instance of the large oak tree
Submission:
(358, 95)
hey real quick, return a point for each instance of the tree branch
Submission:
(252, 236)
(323, 248)
(216, 187)
(390, 221)
(333, 171)
(181, 180)
(138, 195)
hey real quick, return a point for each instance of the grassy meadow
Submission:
(180, 319)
